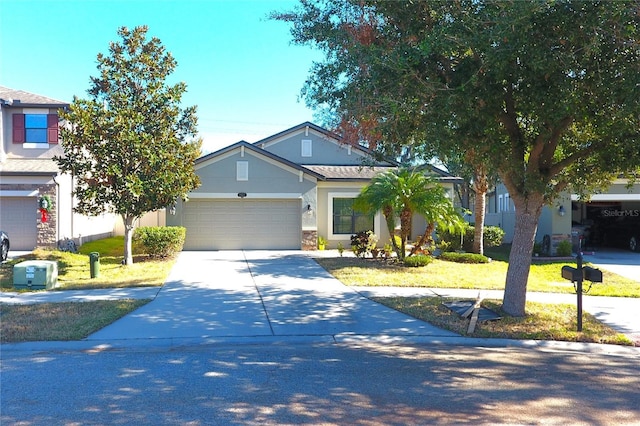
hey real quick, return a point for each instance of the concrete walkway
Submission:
(267, 294)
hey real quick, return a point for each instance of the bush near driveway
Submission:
(160, 241)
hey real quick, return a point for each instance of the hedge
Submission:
(160, 241)
(464, 257)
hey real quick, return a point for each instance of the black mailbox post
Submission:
(578, 275)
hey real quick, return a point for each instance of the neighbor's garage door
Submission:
(19, 218)
(242, 224)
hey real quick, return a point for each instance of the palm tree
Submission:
(402, 193)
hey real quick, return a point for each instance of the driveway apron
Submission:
(258, 293)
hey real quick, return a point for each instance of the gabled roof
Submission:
(257, 150)
(324, 172)
(297, 128)
(20, 98)
(307, 125)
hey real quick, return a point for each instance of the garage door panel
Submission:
(242, 224)
(19, 219)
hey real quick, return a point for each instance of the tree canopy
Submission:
(130, 146)
(545, 93)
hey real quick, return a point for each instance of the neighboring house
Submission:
(29, 135)
(570, 218)
(283, 192)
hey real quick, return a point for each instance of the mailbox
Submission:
(571, 274)
(592, 274)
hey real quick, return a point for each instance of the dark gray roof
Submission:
(20, 98)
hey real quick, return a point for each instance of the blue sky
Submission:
(240, 67)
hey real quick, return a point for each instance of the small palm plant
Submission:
(400, 194)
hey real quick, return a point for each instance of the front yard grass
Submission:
(543, 277)
(73, 268)
(542, 322)
(61, 321)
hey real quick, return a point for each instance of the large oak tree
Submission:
(131, 147)
(544, 93)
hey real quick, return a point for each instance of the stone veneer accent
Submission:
(47, 231)
(309, 240)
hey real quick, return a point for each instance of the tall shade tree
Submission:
(545, 93)
(399, 194)
(130, 147)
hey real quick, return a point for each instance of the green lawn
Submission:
(73, 268)
(543, 277)
(542, 322)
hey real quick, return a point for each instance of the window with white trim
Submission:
(242, 170)
(346, 220)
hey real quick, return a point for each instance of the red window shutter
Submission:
(18, 128)
(52, 128)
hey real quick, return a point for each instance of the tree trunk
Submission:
(424, 239)
(515, 290)
(405, 229)
(480, 186)
(128, 236)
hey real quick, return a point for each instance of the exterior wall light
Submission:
(561, 211)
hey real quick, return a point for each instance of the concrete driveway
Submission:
(258, 293)
(622, 262)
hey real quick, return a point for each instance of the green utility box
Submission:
(35, 275)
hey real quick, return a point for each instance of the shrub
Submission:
(418, 260)
(492, 237)
(564, 248)
(160, 241)
(363, 242)
(464, 257)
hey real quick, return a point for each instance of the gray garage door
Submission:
(242, 224)
(19, 218)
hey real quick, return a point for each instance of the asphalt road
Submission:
(320, 384)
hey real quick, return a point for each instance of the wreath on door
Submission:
(44, 206)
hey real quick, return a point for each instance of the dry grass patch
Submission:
(542, 321)
(61, 321)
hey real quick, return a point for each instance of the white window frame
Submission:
(306, 148)
(242, 171)
(346, 237)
